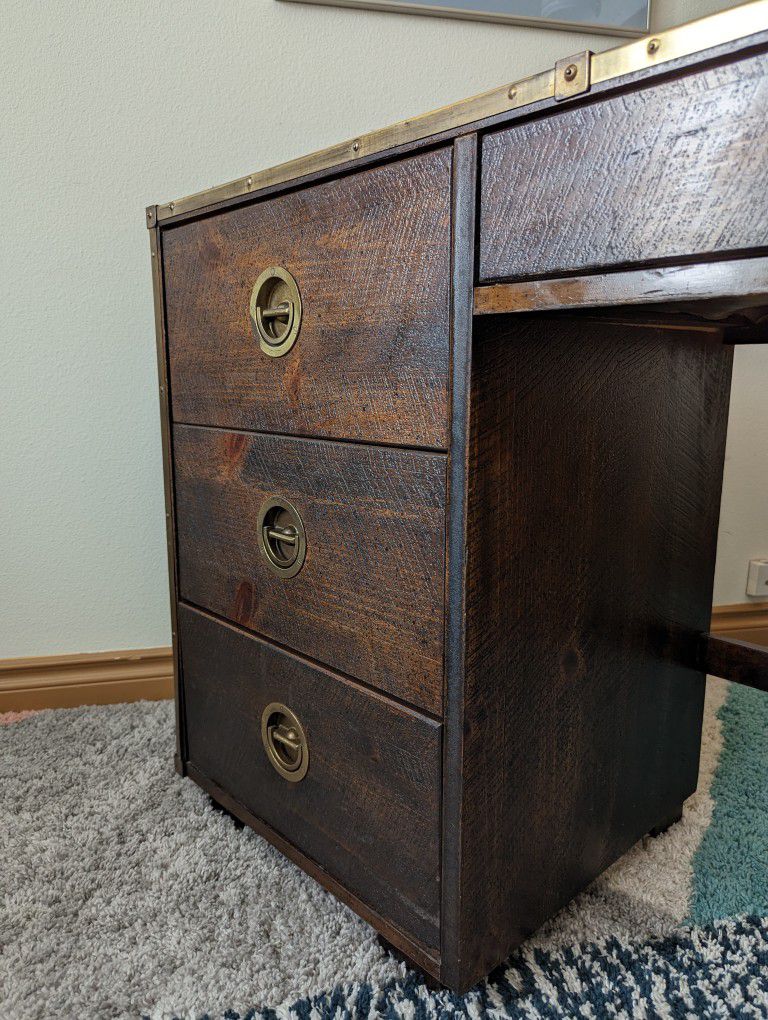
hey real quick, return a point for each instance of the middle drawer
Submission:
(369, 524)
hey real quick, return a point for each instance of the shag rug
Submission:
(125, 894)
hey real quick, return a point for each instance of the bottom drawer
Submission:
(368, 807)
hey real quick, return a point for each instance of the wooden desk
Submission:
(444, 417)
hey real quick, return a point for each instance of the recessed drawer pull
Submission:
(285, 742)
(275, 310)
(287, 535)
(281, 311)
(282, 539)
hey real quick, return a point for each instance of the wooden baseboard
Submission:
(745, 621)
(95, 678)
(104, 678)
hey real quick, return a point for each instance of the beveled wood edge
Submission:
(463, 228)
(743, 278)
(420, 954)
(649, 52)
(91, 678)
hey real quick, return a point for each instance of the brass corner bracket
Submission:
(573, 75)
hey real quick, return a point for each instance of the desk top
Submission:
(569, 78)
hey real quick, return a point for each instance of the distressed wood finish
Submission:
(369, 599)
(643, 176)
(370, 254)
(497, 641)
(711, 288)
(374, 768)
(596, 455)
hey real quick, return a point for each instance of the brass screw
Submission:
(249, 182)
(172, 206)
(355, 146)
(653, 45)
(512, 93)
(570, 72)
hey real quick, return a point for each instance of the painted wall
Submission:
(109, 107)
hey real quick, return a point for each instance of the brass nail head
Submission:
(356, 146)
(172, 206)
(653, 45)
(570, 72)
(512, 93)
(249, 182)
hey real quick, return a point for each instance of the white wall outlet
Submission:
(757, 578)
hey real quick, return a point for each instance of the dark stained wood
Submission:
(367, 810)
(734, 285)
(583, 481)
(741, 661)
(462, 269)
(596, 458)
(369, 599)
(161, 345)
(427, 959)
(370, 254)
(642, 176)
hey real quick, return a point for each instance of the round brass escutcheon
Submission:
(285, 742)
(275, 310)
(282, 539)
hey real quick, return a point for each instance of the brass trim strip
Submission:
(155, 245)
(650, 51)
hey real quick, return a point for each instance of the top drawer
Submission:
(370, 254)
(643, 176)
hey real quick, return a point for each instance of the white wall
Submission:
(109, 107)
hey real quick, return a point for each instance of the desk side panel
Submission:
(596, 457)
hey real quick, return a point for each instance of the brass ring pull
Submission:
(282, 539)
(275, 310)
(285, 742)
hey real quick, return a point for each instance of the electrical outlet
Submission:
(757, 578)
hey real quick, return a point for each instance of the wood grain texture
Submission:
(368, 808)
(596, 456)
(716, 287)
(369, 599)
(370, 253)
(463, 266)
(743, 662)
(642, 176)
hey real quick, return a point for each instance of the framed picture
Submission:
(608, 17)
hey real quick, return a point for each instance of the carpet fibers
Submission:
(125, 894)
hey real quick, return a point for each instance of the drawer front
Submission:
(368, 599)
(370, 254)
(647, 175)
(367, 810)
